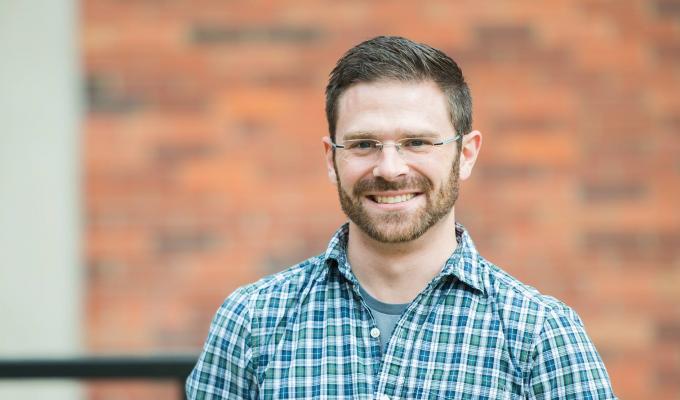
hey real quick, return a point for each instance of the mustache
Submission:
(378, 184)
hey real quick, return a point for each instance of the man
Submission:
(401, 305)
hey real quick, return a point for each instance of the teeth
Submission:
(394, 199)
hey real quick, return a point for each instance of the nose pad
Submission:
(395, 146)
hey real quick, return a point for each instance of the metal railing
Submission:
(170, 367)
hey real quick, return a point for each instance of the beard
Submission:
(399, 227)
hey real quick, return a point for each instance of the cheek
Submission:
(349, 175)
(441, 175)
(347, 182)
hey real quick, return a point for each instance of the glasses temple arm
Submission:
(447, 141)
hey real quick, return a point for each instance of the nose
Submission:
(390, 164)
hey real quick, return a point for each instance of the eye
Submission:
(362, 144)
(416, 143)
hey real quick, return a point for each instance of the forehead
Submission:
(393, 108)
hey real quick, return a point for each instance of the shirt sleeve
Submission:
(566, 364)
(225, 368)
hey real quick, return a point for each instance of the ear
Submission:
(328, 152)
(472, 143)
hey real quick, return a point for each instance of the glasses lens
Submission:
(416, 146)
(362, 147)
(414, 149)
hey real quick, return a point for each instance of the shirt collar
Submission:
(463, 264)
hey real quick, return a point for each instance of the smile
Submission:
(392, 199)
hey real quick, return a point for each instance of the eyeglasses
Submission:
(409, 148)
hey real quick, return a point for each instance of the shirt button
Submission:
(375, 333)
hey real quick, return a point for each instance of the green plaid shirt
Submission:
(474, 332)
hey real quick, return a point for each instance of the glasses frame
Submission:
(380, 145)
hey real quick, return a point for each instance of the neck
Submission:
(397, 272)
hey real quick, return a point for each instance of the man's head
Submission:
(396, 58)
(395, 117)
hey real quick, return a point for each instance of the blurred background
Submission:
(157, 154)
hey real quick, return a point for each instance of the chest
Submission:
(451, 347)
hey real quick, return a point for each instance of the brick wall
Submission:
(204, 169)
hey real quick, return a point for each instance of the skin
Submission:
(393, 264)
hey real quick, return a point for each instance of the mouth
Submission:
(392, 199)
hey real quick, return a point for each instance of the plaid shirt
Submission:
(473, 333)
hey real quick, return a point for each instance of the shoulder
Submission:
(272, 291)
(549, 343)
(525, 314)
(228, 365)
(516, 295)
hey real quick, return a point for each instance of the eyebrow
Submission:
(372, 135)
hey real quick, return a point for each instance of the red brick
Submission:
(203, 166)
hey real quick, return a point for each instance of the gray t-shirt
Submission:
(386, 315)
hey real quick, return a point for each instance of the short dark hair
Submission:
(398, 58)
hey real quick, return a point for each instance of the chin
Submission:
(398, 231)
